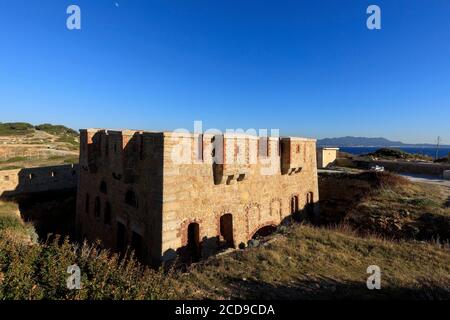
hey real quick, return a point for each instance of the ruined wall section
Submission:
(253, 188)
(121, 185)
(41, 179)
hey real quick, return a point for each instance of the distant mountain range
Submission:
(369, 142)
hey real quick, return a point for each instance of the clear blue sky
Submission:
(309, 68)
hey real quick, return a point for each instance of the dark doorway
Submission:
(97, 207)
(294, 204)
(136, 244)
(226, 229)
(103, 187)
(193, 244)
(264, 231)
(131, 199)
(121, 237)
(310, 204)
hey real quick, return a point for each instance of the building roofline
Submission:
(191, 134)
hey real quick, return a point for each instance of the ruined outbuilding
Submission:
(326, 157)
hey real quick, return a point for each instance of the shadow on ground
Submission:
(327, 288)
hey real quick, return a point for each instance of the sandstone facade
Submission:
(167, 194)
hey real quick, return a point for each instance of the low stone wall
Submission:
(432, 169)
(41, 179)
(447, 174)
(422, 168)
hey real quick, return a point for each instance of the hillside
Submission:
(24, 145)
(395, 154)
(304, 262)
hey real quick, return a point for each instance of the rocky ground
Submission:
(386, 204)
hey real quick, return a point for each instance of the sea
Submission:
(427, 151)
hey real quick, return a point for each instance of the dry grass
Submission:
(297, 262)
(12, 225)
(388, 204)
(323, 263)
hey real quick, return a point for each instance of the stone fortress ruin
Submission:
(168, 194)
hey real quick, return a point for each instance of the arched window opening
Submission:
(103, 187)
(226, 229)
(193, 244)
(310, 204)
(131, 199)
(294, 204)
(137, 245)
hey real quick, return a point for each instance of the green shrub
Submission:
(14, 159)
(391, 153)
(15, 128)
(10, 167)
(9, 222)
(40, 272)
(57, 129)
(423, 202)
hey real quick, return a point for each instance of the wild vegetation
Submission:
(15, 128)
(396, 154)
(298, 261)
(21, 128)
(306, 262)
(38, 270)
(57, 130)
(443, 160)
(11, 223)
(386, 204)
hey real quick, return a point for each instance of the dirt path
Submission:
(427, 179)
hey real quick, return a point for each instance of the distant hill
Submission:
(368, 142)
(57, 130)
(23, 128)
(23, 145)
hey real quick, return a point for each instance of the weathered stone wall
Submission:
(176, 183)
(42, 179)
(126, 162)
(256, 195)
(447, 174)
